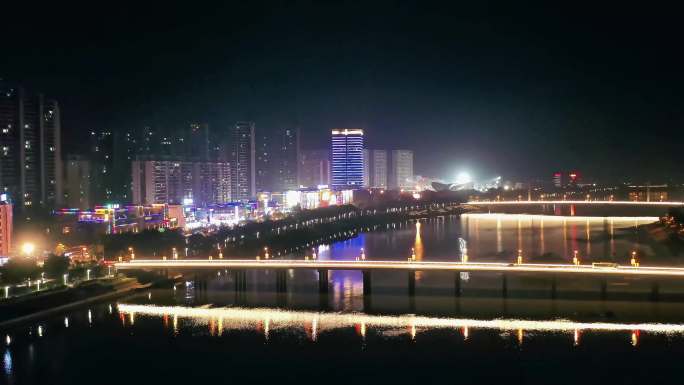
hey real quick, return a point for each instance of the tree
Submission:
(56, 265)
(18, 269)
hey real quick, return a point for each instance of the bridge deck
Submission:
(560, 269)
(566, 202)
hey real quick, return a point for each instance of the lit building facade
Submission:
(287, 159)
(264, 164)
(243, 161)
(180, 182)
(30, 148)
(402, 169)
(5, 229)
(78, 186)
(347, 158)
(375, 168)
(314, 168)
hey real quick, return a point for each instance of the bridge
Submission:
(239, 266)
(568, 202)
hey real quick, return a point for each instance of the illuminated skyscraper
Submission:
(30, 148)
(287, 159)
(314, 168)
(375, 168)
(243, 161)
(402, 169)
(347, 158)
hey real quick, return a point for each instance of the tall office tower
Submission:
(180, 182)
(402, 169)
(287, 159)
(5, 228)
(347, 158)
(377, 168)
(197, 141)
(366, 168)
(102, 174)
(243, 161)
(314, 168)
(77, 182)
(264, 164)
(30, 148)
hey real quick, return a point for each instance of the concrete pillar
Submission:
(281, 280)
(457, 284)
(323, 281)
(504, 285)
(604, 289)
(655, 291)
(412, 283)
(366, 283)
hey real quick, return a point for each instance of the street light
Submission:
(28, 248)
(64, 279)
(88, 275)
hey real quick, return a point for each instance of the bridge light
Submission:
(575, 259)
(520, 258)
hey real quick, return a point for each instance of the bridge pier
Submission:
(366, 283)
(504, 285)
(604, 289)
(457, 284)
(655, 291)
(323, 283)
(367, 291)
(240, 280)
(554, 293)
(281, 281)
(412, 283)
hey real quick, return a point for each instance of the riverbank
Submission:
(24, 309)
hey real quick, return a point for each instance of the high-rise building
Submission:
(197, 141)
(243, 161)
(287, 159)
(5, 228)
(102, 166)
(78, 186)
(180, 182)
(314, 168)
(402, 169)
(30, 148)
(264, 164)
(366, 167)
(347, 158)
(375, 168)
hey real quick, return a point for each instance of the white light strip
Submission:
(404, 265)
(489, 203)
(240, 316)
(559, 218)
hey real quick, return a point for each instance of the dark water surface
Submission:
(187, 335)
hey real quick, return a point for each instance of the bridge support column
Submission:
(366, 283)
(412, 283)
(281, 281)
(504, 285)
(457, 284)
(240, 280)
(323, 281)
(604, 289)
(655, 291)
(554, 292)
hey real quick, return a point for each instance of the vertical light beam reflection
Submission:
(418, 249)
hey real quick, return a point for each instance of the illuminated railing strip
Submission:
(488, 203)
(240, 316)
(559, 218)
(404, 265)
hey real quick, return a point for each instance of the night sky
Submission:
(511, 88)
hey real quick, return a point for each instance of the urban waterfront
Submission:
(189, 333)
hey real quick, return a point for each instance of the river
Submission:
(187, 335)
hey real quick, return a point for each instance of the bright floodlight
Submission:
(28, 248)
(463, 178)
